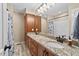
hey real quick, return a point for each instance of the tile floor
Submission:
(21, 50)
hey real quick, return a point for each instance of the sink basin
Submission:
(54, 45)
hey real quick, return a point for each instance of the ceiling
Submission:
(52, 11)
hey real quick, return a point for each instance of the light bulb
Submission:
(41, 8)
(48, 6)
(38, 10)
(45, 9)
(44, 5)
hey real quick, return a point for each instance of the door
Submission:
(37, 24)
(29, 23)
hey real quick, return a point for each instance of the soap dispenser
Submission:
(70, 41)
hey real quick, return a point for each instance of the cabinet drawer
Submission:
(27, 41)
(40, 50)
(33, 48)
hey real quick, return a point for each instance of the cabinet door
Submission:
(37, 23)
(41, 50)
(27, 41)
(30, 23)
(49, 53)
(33, 48)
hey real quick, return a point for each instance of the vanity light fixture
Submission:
(44, 8)
(44, 5)
(38, 10)
(41, 8)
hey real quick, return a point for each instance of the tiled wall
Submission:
(10, 41)
(51, 27)
(10, 28)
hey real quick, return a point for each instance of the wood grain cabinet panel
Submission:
(33, 48)
(27, 41)
(32, 23)
(49, 53)
(37, 24)
(41, 50)
(37, 49)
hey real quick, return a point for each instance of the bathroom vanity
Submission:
(36, 48)
(43, 46)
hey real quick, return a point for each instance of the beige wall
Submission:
(44, 26)
(18, 27)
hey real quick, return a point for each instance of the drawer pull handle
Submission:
(45, 53)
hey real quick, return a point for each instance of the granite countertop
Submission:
(64, 49)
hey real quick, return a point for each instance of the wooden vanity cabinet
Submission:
(42, 51)
(36, 49)
(49, 53)
(29, 23)
(32, 23)
(27, 41)
(33, 47)
(37, 24)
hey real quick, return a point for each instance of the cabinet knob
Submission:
(36, 29)
(32, 29)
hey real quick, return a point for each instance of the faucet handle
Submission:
(62, 36)
(7, 47)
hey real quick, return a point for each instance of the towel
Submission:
(76, 28)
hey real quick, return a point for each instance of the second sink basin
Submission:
(54, 45)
